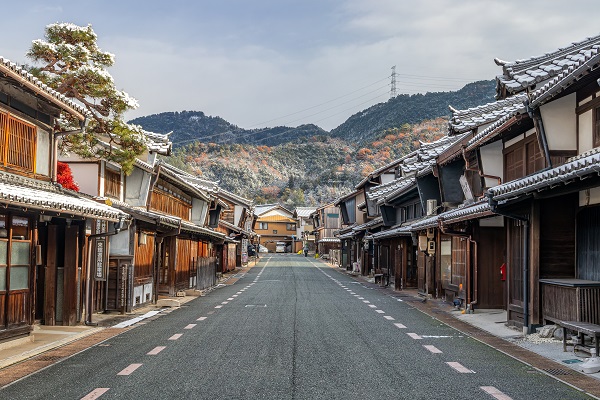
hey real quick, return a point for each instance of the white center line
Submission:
(129, 370)
(190, 326)
(225, 302)
(433, 349)
(388, 317)
(231, 298)
(379, 311)
(399, 325)
(239, 293)
(156, 350)
(218, 306)
(201, 318)
(414, 336)
(495, 393)
(458, 367)
(176, 336)
(361, 298)
(366, 301)
(372, 306)
(94, 394)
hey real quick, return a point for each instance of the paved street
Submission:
(291, 328)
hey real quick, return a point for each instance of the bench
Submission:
(583, 329)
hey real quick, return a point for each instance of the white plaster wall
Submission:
(86, 176)
(588, 197)
(199, 210)
(492, 162)
(119, 243)
(237, 214)
(514, 140)
(42, 153)
(133, 194)
(560, 123)
(585, 132)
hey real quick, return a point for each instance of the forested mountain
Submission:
(412, 109)
(190, 126)
(307, 165)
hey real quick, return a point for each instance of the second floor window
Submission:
(263, 225)
(112, 184)
(17, 144)
(291, 227)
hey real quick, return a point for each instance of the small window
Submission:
(291, 227)
(274, 231)
(263, 225)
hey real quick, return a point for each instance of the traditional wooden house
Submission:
(304, 229)
(275, 224)
(234, 220)
(326, 222)
(43, 227)
(552, 254)
(353, 249)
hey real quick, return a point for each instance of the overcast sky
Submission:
(260, 63)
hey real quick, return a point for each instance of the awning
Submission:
(30, 194)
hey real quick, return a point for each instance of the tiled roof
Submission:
(276, 218)
(587, 61)
(304, 212)
(404, 230)
(234, 228)
(329, 240)
(578, 167)
(521, 74)
(26, 79)
(184, 179)
(33, 194)
(495, 128)
(427, 222)
(371, 224)
(170, 221)
(158, 143)
(427, 153)
(471, 118)
(466, 211)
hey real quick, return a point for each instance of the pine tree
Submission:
(73, 65)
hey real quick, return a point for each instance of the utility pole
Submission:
(393, 85)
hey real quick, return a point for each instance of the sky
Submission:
(264, 63)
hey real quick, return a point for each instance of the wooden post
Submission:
(50, 277)
(70, 275)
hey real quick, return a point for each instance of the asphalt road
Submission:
(291, 328)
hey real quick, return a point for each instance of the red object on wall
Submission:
(503, 272)
(64, 176)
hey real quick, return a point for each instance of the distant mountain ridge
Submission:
(362, 127)
(190, 126)
(412, 109)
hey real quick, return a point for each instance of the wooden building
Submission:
(275, 224)
(43, 227)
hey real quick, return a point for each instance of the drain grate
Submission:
(557, 371)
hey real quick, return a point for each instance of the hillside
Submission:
(189, 126)
(412, 109)
(362, 127)
(311, 173)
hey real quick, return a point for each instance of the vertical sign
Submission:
(100, 261)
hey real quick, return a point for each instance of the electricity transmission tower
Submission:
(393, 85)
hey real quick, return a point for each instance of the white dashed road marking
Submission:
(458, 367)
(156, 350)
(129, 370)
(399, 325)
(388, 317)
(190, 326)
(433, 349)
(380, 311)
(495, 393)
(414, 336)
(201, 318)
(176, 336)
(218, 306)
(94, 394)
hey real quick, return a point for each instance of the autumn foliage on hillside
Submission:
(310, 172)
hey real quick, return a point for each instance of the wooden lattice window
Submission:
(17, 144)
(112, 184)
(162, 201)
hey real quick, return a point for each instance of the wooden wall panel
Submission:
(70, 275)
(50, 276)
(144, 257)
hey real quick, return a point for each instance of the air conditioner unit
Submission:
(431, 206)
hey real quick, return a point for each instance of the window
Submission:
(290, 227)
(112, 184)
(263, 225)
(17, 144)
(522, 159)
(274, 231)
(15, 239)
